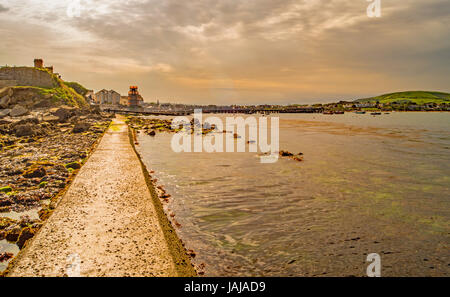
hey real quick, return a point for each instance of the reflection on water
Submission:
(7, 247)
(367, 185)
(33, 214)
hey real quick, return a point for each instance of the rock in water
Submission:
(286, 154)
(26, 234)
(6, 256)
(13, 234)
(18, 111)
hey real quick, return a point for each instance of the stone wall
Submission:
(25, 76)
(7, 83)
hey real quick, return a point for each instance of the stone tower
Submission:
(133, 97)
(38, 63)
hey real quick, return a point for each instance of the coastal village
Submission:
(113, 100)
(52, 129)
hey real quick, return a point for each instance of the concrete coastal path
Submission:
(105, 225)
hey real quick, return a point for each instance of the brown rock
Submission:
(286, 154)
(4, 92)
(18, 111)
(64, 113)
(5, 256)
(26, 234)
(4, 113)
(13, 234)
(81, 127)
(50, 119)
(34, 172)
(44, 214)
(4, 101)
(24, 130)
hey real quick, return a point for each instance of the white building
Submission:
(107, 97)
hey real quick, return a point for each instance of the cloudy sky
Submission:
(234, 51)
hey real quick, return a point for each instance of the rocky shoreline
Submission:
(41, 151)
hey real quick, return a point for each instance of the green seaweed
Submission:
(6, 189)
(73, 165)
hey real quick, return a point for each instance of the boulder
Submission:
(24, 130)
(64, 113)
(26, 234)
(81, 127)
(13, 101)
(5, 101)
(18, 111)
(29, 120)
(50, 119)
(4, 113)
(13, 234)
(3, 92)
(6, 92)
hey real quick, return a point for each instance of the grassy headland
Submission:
(418, 97)
(399, 101)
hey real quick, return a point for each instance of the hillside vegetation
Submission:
(77, 87)
(61, 93)
(418, 97)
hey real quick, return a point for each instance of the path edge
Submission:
(182, 262)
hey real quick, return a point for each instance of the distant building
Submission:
(107, 97)
(38, 63)
(123, 100)
(134, 98)
(27, 76)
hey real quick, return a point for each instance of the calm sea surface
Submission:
(367, 185)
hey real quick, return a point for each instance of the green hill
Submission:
(418, 97)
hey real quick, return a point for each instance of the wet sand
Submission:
(108, 222)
